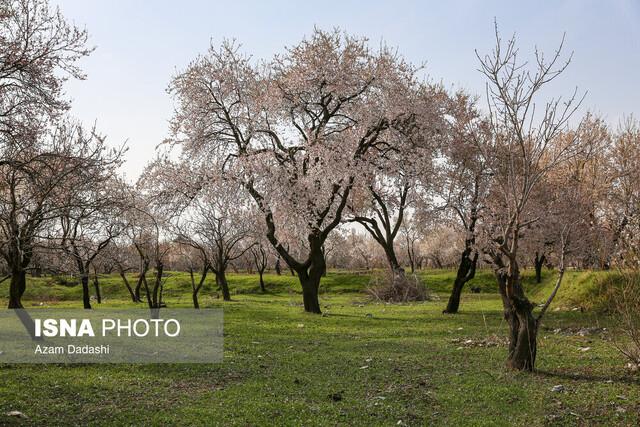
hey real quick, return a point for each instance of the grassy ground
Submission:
(362, 363)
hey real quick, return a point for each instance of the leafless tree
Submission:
(526, 147)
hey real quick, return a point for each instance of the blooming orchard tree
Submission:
(123, 257)
(412, 235)
(147, 227)
(196, 259)
(360, 250)
(383, 193)
(466, 181)
(91, 220)
(442, 246)
(213, 216)
(39, 51)
(295, 132)
(383, 216)
(619, 217)
(44, 183)
(583, 181)
(219, 224)
(260, 255)
(567, 207)
(622, 202)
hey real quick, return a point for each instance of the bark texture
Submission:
(466, 272)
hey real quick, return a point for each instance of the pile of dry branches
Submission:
(397, 287)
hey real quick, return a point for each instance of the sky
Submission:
(140, 45)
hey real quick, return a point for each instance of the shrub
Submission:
(397, 287)
(627, 314)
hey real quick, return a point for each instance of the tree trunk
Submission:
(278, 268)
(16, 288)
(96, 286)
(161, 297)
(522, 353)
(157, 296)
(196, 289)
(196, 304)
(126, 283)
(436, 262)
(262, 287)
(136, 294)
(466, 272)
(538, 264)
(523, 330)
(221, 280)
(144, 267)
(412, 256)
(86, 298)
(310, 280)
(310, 287)
(397, 272)
(399, 275)
(147, 291)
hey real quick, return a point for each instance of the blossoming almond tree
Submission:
(466, 180)
(90, 221)
(622, 201)
(295, 132)
(582, 181)
(213, 216)
(386, 190)
(39, 51)
(146, 230)
(35, 190)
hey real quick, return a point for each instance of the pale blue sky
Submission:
(141, 44)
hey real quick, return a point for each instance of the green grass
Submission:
(363, 363)
(54, 291)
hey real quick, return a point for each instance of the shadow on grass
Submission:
(616, 378)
